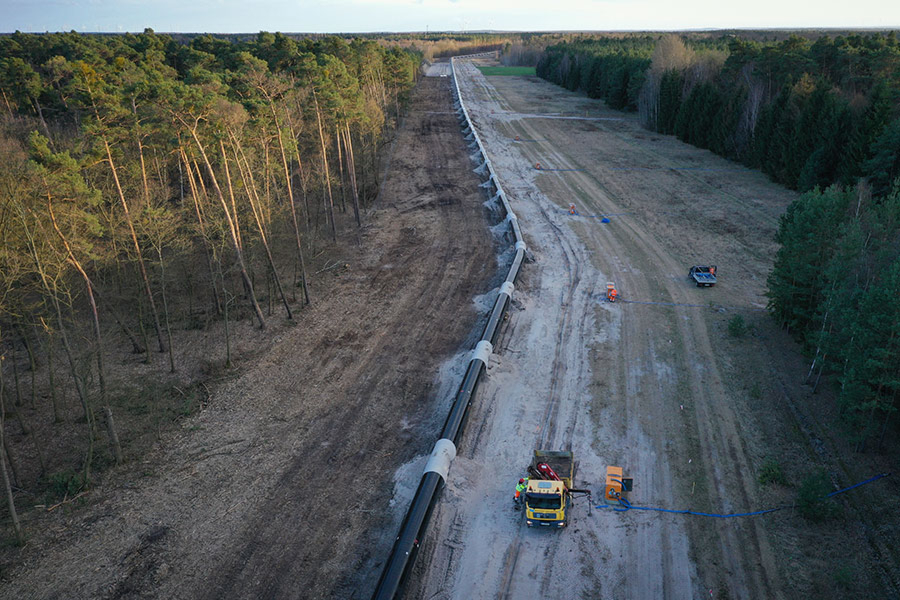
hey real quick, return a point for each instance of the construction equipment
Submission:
(611, 292)
(550, 492)
(616, 484)
(703, 275)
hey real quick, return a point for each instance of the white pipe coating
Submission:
(443, 454)
(483, 351)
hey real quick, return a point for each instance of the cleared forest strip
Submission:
(403, 554)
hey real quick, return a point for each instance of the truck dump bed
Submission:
(561, 461)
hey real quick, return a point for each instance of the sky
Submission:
(344, 16)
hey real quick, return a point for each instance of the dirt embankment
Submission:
(281, 487)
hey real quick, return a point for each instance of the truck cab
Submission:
(548, 494)
(545, 503)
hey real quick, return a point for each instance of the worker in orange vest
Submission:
(613, 294)
(520, 487)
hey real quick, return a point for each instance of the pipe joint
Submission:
(443, 454)
(483, 351)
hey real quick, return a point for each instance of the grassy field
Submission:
(520, 71)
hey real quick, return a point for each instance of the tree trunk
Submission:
(32, 364)
(137, 247)
(52, 293)
(253, 199)
(113, 437)
(325, 167)
(225, 303)
(236, 224)
(196, 198)
(79, 387)
(136, 346)
(14, 471)
(54, 401)
(40, 112)
(351, 168)
(302, 179)
(162, 283)
(146, 185)
(231, 230)
(304, 280)
(6, 101)
(90, 290)
(340, 160)
(7, 486)
(18, 401)
(4, 445)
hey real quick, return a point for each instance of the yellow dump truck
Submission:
(549, 491)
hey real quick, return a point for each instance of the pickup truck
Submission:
(702, 275)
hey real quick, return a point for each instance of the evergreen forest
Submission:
(151, 185)
(818, 114)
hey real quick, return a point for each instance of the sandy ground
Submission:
(658, 389)
(282, 486)
(438, 69)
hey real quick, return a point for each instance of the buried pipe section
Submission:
(406, 546)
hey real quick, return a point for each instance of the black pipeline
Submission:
(412, 530)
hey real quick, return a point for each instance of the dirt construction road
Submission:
(642, 383)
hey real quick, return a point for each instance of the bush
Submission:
(756, 392)
(737, 327)
(64, 484)
(844, 577)
(811, 498)
(771, 472)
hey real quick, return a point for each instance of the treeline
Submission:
(443, 45)
(149, 186)
(817, 115)
(806, 112)
(836, 286)
(611, 69)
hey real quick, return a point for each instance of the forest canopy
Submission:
(150, 185)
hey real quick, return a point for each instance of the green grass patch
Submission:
(771, 472)
(62, 485)
(811, 498)
(737, 327)
(517, 71)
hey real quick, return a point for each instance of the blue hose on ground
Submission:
(624, 505)
(555, 170)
